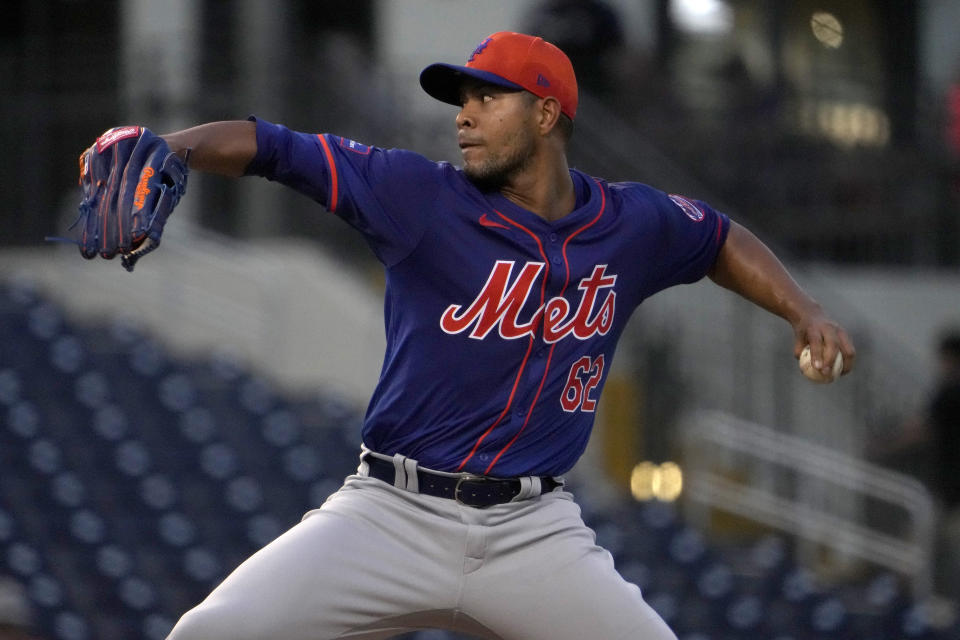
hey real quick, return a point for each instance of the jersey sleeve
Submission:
(383, 193)
(690, 235)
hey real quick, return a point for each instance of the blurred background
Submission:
(157, 428)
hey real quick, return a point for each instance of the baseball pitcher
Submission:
(509, 280)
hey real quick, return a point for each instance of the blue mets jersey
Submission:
(500, 326)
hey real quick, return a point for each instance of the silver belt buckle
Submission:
(460, 481)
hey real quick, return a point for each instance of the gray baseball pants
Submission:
(377, 561)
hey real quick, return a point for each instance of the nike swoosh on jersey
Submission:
(487, 222)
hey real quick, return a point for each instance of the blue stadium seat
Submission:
(157, 626)
(9, 387)
(70, 625)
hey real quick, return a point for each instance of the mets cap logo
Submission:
(480, 48)
(693, 211)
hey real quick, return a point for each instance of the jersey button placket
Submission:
(553, 252)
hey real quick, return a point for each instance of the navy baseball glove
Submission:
(131, 182)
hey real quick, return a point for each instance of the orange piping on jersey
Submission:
(332, 197)
(543, 254)
(506, 409)
(536, 397)
(546, 369)
(523, 365)
(566, 264)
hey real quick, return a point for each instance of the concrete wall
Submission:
(906, 308)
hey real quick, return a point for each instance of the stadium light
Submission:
(708, 17)
(651, 481)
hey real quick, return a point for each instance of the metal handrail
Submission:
(711, 431)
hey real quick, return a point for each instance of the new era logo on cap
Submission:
(512, 60)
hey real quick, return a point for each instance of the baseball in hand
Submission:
(806, 366)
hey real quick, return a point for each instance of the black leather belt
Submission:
(473, 491)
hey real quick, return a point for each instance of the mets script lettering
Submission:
(500, 301)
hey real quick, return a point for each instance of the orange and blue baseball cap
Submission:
(511, 60)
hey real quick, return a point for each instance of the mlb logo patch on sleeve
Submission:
(354, 146)
(693, 211)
